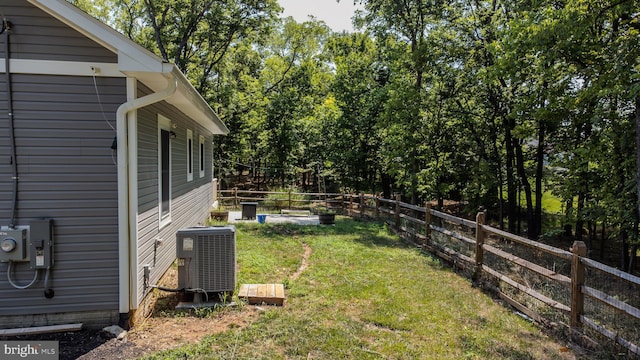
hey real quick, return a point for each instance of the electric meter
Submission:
(13, 245)
(8, 245)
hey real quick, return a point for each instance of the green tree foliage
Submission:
(277, 101)
(489, 102)
(406, 24)
(193, 34)
(360, 93)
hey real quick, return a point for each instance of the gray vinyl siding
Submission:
(187, 210)
(67, 173)
(190, 199)
(38, 36)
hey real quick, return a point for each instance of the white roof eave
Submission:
(186, 98)
(200, 105)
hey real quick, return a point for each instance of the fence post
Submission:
(235, 197)
(427, 221)
(480, 235)
(350, 205)
(289, 198)
(579, 249)
(397, 214)
(362, 208)
(377, 207)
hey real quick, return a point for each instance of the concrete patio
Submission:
(236, 217)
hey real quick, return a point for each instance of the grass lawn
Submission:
(364, 295)
(551, 204)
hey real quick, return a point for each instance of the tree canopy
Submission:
(500, 104)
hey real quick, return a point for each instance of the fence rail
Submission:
(548, 284)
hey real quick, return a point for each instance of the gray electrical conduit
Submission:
(21, 287)
(6, 28)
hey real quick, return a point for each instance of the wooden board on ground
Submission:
(271, 294)
(41, 330)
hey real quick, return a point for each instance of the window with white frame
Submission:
(202, 157)
(189, 155)
(164, 170)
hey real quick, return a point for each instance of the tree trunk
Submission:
(579, 221)
(527, 189)
(258, 173)
(635, 245)
(385, 180)
(591, 225)
(511, 184)
(415, 166)
(518, 211)
(583, 133)
(602, 237)
(414, 180)
(633, 249)
(498, 169)
(621, 180)
(567, 213)
(624, 253)
(537, 218)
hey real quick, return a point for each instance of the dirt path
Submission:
(304, 263)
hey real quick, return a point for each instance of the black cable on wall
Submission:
(6, 29)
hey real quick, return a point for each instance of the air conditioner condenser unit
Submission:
(207, 259)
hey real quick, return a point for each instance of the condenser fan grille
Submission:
(216, 262)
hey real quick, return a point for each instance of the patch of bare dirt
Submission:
(164, 333)
(162, 328)
(304, 263)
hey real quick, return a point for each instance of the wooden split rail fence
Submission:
(562, 288)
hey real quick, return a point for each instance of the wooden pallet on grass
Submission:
(270, 294)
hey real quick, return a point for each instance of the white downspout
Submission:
(127, 275)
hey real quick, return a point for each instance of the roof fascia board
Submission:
(131, 62)
(196, 98)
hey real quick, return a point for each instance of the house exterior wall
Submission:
(64, 129)
(191, 200)
(66, 173)
(35, 35)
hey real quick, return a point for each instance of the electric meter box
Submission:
(13, 245)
